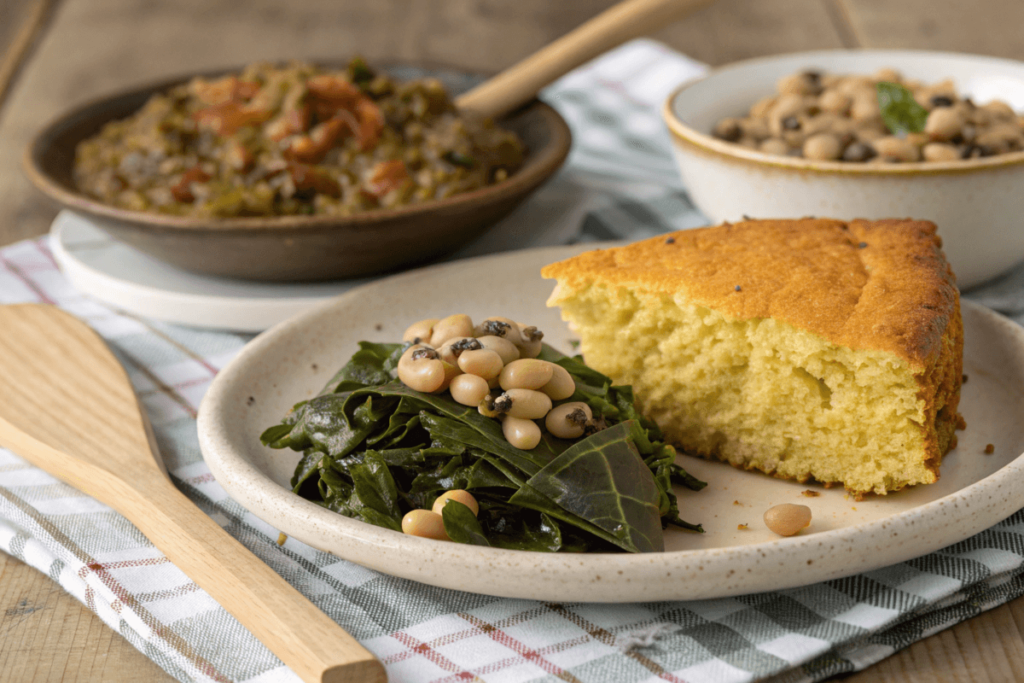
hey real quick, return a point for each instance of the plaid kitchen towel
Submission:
(619, 183)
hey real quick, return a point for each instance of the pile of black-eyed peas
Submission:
(493, 366)
(832, 117)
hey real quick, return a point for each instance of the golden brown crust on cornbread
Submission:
(880, 286)
(896, 294)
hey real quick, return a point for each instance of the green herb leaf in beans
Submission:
(900, 111)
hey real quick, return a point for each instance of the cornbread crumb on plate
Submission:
(783, 345)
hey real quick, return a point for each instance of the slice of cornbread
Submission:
(802, 348)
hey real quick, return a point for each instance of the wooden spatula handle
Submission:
(291, 627)
(520, 83)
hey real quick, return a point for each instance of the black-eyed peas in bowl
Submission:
(834, 117)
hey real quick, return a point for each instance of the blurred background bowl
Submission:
(300, 248)
(978, 204)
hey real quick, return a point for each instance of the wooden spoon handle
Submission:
(517, 85)
(294, 629)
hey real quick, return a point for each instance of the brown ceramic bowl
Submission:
(296, 248)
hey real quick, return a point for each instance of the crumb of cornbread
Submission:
(805, 349)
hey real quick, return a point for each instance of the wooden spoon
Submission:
(517, 85)
(66, 406)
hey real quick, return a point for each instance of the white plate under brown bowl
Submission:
(978, 204)
(299, 248)
(292, 361)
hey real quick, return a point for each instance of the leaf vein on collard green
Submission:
(373, 449)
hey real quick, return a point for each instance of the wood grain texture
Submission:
(69, 408)
(46, 636)
(21, 22)
(97, 46)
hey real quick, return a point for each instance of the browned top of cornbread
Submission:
(882, 285)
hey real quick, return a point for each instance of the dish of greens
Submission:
(374, 449)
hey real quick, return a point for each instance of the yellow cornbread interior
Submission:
(758, 393)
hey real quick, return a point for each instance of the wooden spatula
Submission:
(66, 406)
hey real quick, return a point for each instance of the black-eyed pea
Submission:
(762, 107)
(569, 420)
(526, 373)
(521, 433)
(917, 139)
(794, 84)
(787, 105)
(484, 363)
(774, 146)
(468, 389)
(425, 524)
(1000, 110)
(453, 349)
(421, 369)
(532, 345)
(835, 102)
(888, 75)
(940, 151)
(787, 519)
(458, 325)
(823, 123)
(865, 108)
(494, 406)
(420, 331)
(745, 141)
(503, 347)
(822, 147)
(1003, 137)
(496, 326)
(943, 123)
(851, 85)
(450, 373)
(756, 128)
(728, 129)
(892, 148)
(459, 495)
(859, 152)
(561, 386)
(527, 404)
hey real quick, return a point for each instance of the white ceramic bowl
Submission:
(978, 204)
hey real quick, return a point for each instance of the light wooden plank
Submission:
(46, 636)
(21, 21)
(987, 27)
(730, 30)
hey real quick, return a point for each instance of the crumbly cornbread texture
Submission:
(802, 348)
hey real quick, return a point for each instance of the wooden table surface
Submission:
(56, 53)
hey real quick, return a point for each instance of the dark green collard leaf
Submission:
(484, 474)
(603, 480)
(274, 434)
(461, 524)
(532, 499)
(450, 475)
(372, 516)
(900, 111)
(457, 423)
(323, 424)
(308, 465)
(375, 488)
(372, 365)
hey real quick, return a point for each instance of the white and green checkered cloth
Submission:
(620, 183)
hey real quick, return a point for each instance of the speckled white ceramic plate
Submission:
(293, 360)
